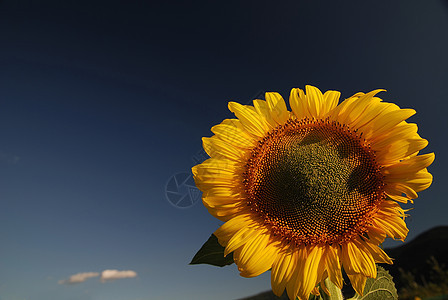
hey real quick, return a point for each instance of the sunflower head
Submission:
(310, 191)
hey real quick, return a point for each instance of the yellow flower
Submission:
(310, 191)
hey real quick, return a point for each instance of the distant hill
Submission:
(412, 256)
(268, 295)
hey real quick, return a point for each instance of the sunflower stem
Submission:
(335, 292)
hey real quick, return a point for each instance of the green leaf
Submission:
(380, 288)
(335, 292)
(212, 253)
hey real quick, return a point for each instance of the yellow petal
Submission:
(214, 201)
(386, 122)
(222, 191)
(204, 183)
(226, 214)
(298, 263)
(355, 111)
(418, 181)
(250, 249)
(241, 237)
(403, 131)
(375, 112)
(218, 166)
(357, 259)
(217, 148)
(233, 135)
(315, 291)
(315, 100)
(341, 109)
(297, 101)
(277, 107)
(259, 256)
(262, 108)
(391, 208)
(334, 266)
(398, 189)
(400, 150)
(251, 121)
(228, 229)
(398, 198)
(282, 270)
(322, 273)
(309, 273)
(394, 226)
(376, 235)
(331, 99)
(378, 254)
(216, 172)
(358, 282)
(409, 166)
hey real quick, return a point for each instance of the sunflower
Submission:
(310, 192)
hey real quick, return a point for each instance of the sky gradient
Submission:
(102, 103)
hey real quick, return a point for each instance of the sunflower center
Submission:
(313, 181)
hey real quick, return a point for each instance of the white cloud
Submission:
(108, 275)
(78, 278)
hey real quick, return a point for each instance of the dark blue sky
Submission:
(102, 102)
